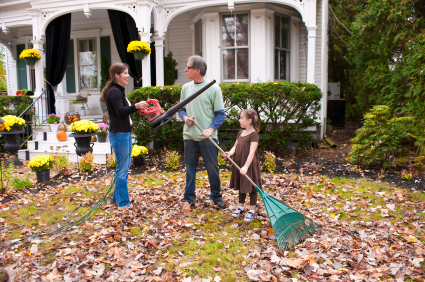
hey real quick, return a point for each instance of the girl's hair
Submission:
(253, 116)
(116, 68)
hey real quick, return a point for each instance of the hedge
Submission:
(285, 110)
(20, 103)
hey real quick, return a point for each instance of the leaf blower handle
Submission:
(152, 112)
(218, 147)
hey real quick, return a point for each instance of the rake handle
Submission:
(221, 150)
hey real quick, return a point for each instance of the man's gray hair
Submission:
(198, 63)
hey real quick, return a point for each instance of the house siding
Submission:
(318, 64)
(179, 41)
(302, 76)
(11, 73)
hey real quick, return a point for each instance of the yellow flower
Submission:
(30, 54)
(138, 151)
(40, 163)
(84, 126)
(136, 46)
(13, 122)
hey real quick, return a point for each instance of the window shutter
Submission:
(70, 69)
(22, 68)
(105, 47)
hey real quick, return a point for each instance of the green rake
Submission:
(289, 226)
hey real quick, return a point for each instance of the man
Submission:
(208, 111)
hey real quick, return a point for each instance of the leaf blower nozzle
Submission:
(159, 119)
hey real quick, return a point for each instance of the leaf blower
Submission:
(159, 118)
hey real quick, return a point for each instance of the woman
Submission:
(119, 110)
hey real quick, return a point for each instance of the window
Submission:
(235, 46)
(198, 38)
(87, 61)
(281, 51)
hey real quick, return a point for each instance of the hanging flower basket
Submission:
(30, 56)
(139, 48)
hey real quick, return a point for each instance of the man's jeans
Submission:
(121, 144)
(191, 156)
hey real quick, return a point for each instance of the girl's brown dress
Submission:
(238, 181)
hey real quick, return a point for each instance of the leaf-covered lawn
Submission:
(371, 231)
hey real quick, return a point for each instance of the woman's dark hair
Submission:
(253, 116)
(116, 68)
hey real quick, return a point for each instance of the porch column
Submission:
(311, 55)
(211, 50)
(261, 45)
(159, 60)
(145, 36)
(39, 68)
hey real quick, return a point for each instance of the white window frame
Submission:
(288, 50)
(96, 64)
(81, 35)
(235, 48)
(198, 38)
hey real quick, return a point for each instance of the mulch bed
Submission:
(324, 161)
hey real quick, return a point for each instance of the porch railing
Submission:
(34, 116)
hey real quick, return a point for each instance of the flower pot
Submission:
(139, 161)
(30, 61)
(54, 127)
(101, 138)
(103, 107)
(43, 175)
(82, 143)
(139, 55)
(12, 145)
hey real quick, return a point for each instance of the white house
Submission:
(241, 41)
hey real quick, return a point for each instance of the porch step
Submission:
(43, 141)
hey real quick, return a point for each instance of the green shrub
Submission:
(13, 105)
(403, 160)
(86, 162)
(286, 109)
(111, 161)
(7, 170)
(381, 137)
(172, 160)
(418, 163)
(221, 159)
(19, 183)
(170, 65)
(405, 175)
(269, 161)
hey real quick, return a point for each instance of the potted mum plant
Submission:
(11, 127)
(82, 131)
(139, 48)
(53, 122)
(102, 133)
(138, 153)
(41, 165)
(30, 56)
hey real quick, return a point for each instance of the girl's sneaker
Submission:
(238, 212)
(249, 216)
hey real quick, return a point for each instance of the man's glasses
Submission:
(189, 67)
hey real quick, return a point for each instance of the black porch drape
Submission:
(124, 30)
(58, 34)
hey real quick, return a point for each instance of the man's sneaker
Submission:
(238, 212)
(249, 216)
(220, 204)
(186, 208)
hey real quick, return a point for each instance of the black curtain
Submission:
(124, 30)
(58, 34)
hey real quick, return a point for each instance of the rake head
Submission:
(289, 226)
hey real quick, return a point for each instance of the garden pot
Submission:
(139, 55)
(101, 138)
(30, 61)
(103, 107)
(138, 162)
(12, 145)
(43, 175)
(54, 127)
(82, 143)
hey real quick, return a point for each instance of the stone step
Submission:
(98, 157)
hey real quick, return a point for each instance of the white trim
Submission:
(311, 54)
(324, 66)
(295, 49)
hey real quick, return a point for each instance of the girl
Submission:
(246, 158)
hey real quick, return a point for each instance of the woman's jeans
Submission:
(121, 144)
(209, 152)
